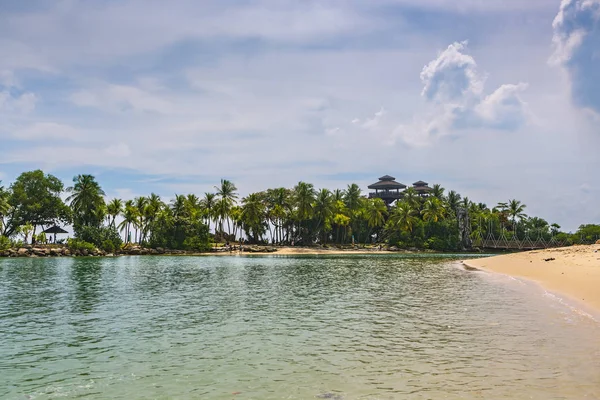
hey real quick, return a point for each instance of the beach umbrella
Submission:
(54, 230)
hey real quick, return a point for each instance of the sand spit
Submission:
(571, 271)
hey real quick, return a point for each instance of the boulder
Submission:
(598, 241)
(22, 252)
(56, 251)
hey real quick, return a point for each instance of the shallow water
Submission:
(339, 327)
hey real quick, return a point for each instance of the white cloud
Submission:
(20, 104)
(452, 75)
(577, 49)
(119, 150)
(46, 130)
(120, 98)
(187, 87)
(504, 108)
(454, 87)
(372, 123)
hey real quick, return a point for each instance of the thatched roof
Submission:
(423, 189)
(420, 183)
(387, 182)
(55, 229)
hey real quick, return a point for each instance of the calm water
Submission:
(348, 327)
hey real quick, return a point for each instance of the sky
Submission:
(496, 99)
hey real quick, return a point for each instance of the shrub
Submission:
(80, 245)
(196, 244)
(4, 243)
(105, 238)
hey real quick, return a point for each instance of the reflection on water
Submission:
(347, 327)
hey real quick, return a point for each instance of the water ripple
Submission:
(285, 328)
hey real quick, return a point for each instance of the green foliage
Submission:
(86, 201)
(4, 243)
(41, 238)
(588, 233)
(35, 199)
(80, 245)
(300, 215)
(104, 238)
(179, 227)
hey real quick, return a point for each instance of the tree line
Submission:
(302, 215)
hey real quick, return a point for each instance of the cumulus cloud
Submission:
(454, 88)
(577, 49)
(452, 75)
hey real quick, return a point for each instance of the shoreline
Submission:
(572, 272)
(55, 251)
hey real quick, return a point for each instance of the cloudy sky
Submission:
(497, 99)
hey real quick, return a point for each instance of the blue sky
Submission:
(497, 99)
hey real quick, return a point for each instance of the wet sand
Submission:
(572, 271)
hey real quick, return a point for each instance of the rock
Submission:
(85, 252)
(110, 255)
(598, 241)
(160, 250)
(66, 252)
(40, 252)
(56, 251)
(22, 252)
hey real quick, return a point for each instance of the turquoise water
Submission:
(275, 327)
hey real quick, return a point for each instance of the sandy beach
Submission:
(573, 272)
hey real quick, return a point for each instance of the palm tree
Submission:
(433, 210)
(208, 203)
(278, 208)
(375, 213)
(153, 208)
(453, 200)
(113, 209)
(323, 210)
(86, 199)
(179, 206)
(140, 208)
(253, 217)
(129, 218)
(437, 191)
(352, 197)
(515, 211)
(228, 194)
(338, 195)
(403, 217)
(411, 197)
(304, 199)
(4, 206)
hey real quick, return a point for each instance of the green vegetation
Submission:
(301, 215)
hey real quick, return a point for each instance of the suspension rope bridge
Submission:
(511, 241)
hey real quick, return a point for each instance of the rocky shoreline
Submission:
(54, 251)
